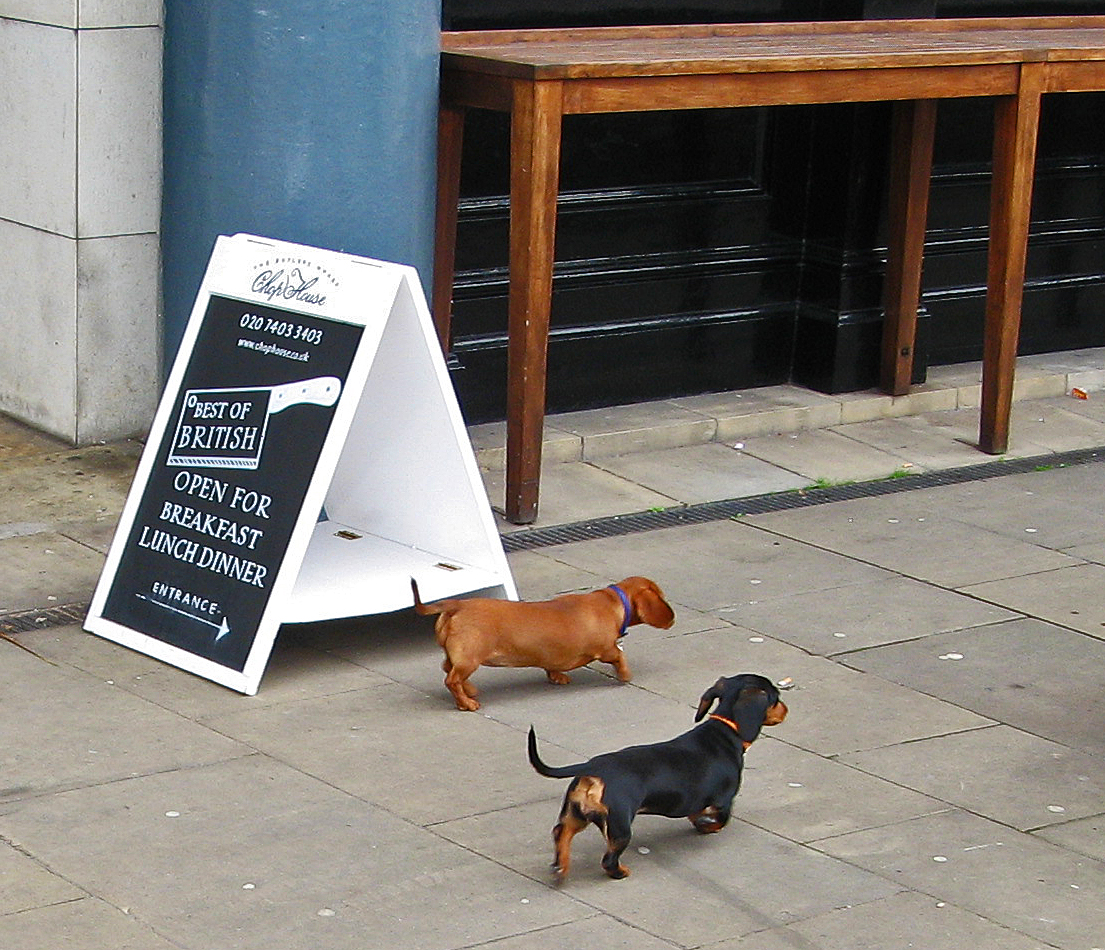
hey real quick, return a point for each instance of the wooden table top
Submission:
(772, 47)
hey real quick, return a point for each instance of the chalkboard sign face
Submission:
(228, 485)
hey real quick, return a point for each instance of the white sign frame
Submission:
(396, 480)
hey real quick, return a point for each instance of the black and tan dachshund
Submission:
(695, 775)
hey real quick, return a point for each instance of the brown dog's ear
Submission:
(708, 697)
(652, 608)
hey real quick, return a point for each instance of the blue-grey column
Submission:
(312, 122)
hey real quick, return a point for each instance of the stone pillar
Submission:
(307, 122)
(80, 149)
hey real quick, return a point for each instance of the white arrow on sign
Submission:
(223, 627)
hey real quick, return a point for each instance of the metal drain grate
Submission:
(26, 620)
(618, 525)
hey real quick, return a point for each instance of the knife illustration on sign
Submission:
(225, 428)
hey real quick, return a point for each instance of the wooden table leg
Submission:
(913, 131)
(534, 182)
(450, 136)
(1016, 121)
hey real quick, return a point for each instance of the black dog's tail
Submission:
(565, 771)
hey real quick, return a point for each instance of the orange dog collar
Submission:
(729, 722)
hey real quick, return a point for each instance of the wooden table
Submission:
(539, 76)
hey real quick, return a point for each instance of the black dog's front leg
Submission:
(711, 819)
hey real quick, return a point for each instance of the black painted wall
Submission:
(704, 251)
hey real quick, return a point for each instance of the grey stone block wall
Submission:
(80, 142)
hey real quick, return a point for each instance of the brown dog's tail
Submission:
(564, 771)
(421, 608)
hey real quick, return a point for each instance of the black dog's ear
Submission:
(708, 697)
(752, 706)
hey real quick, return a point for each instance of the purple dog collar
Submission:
(625, 606)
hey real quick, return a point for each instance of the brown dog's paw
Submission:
(468, 704)
(561, 679)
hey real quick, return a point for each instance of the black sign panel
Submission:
(229, 478)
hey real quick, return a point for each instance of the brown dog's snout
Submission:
(776, 714)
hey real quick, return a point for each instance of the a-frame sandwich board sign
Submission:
(307, 458)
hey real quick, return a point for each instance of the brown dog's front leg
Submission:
(621, 666)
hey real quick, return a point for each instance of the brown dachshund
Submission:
(556, 635)
(695, 775)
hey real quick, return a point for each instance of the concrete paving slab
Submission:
(1054, 784)
(689, 889)
(740, 415)
(96, 535)
(252, 854)
(17, 439)
(1011, 878)
(1088, 552)
(935, 440)
(413, 754)
(803, 796)
(868, 405)
(1032, 675)
(577, 491)
(827, 456)
(833, 709)
(1029, 384)
(702, 473)
(930, 548)
(295, 671)
(540, 574)
(1029, 508)
(1072, 596)
(598, 931)
(1084, 360)
(741, 563)
(489, 444)
(863, 615)
(70, 646)
(86, 922)
(1085, 836)
(901, 920)
(62, 729)
(940, 440)
(87, 484)
(1057, 424)
(1009, 505)
(25, 884)
(46, 569)
(589, 717)
(642, 427)
(106, 661)
(1091, 408)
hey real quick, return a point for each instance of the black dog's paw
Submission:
(707, 822)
